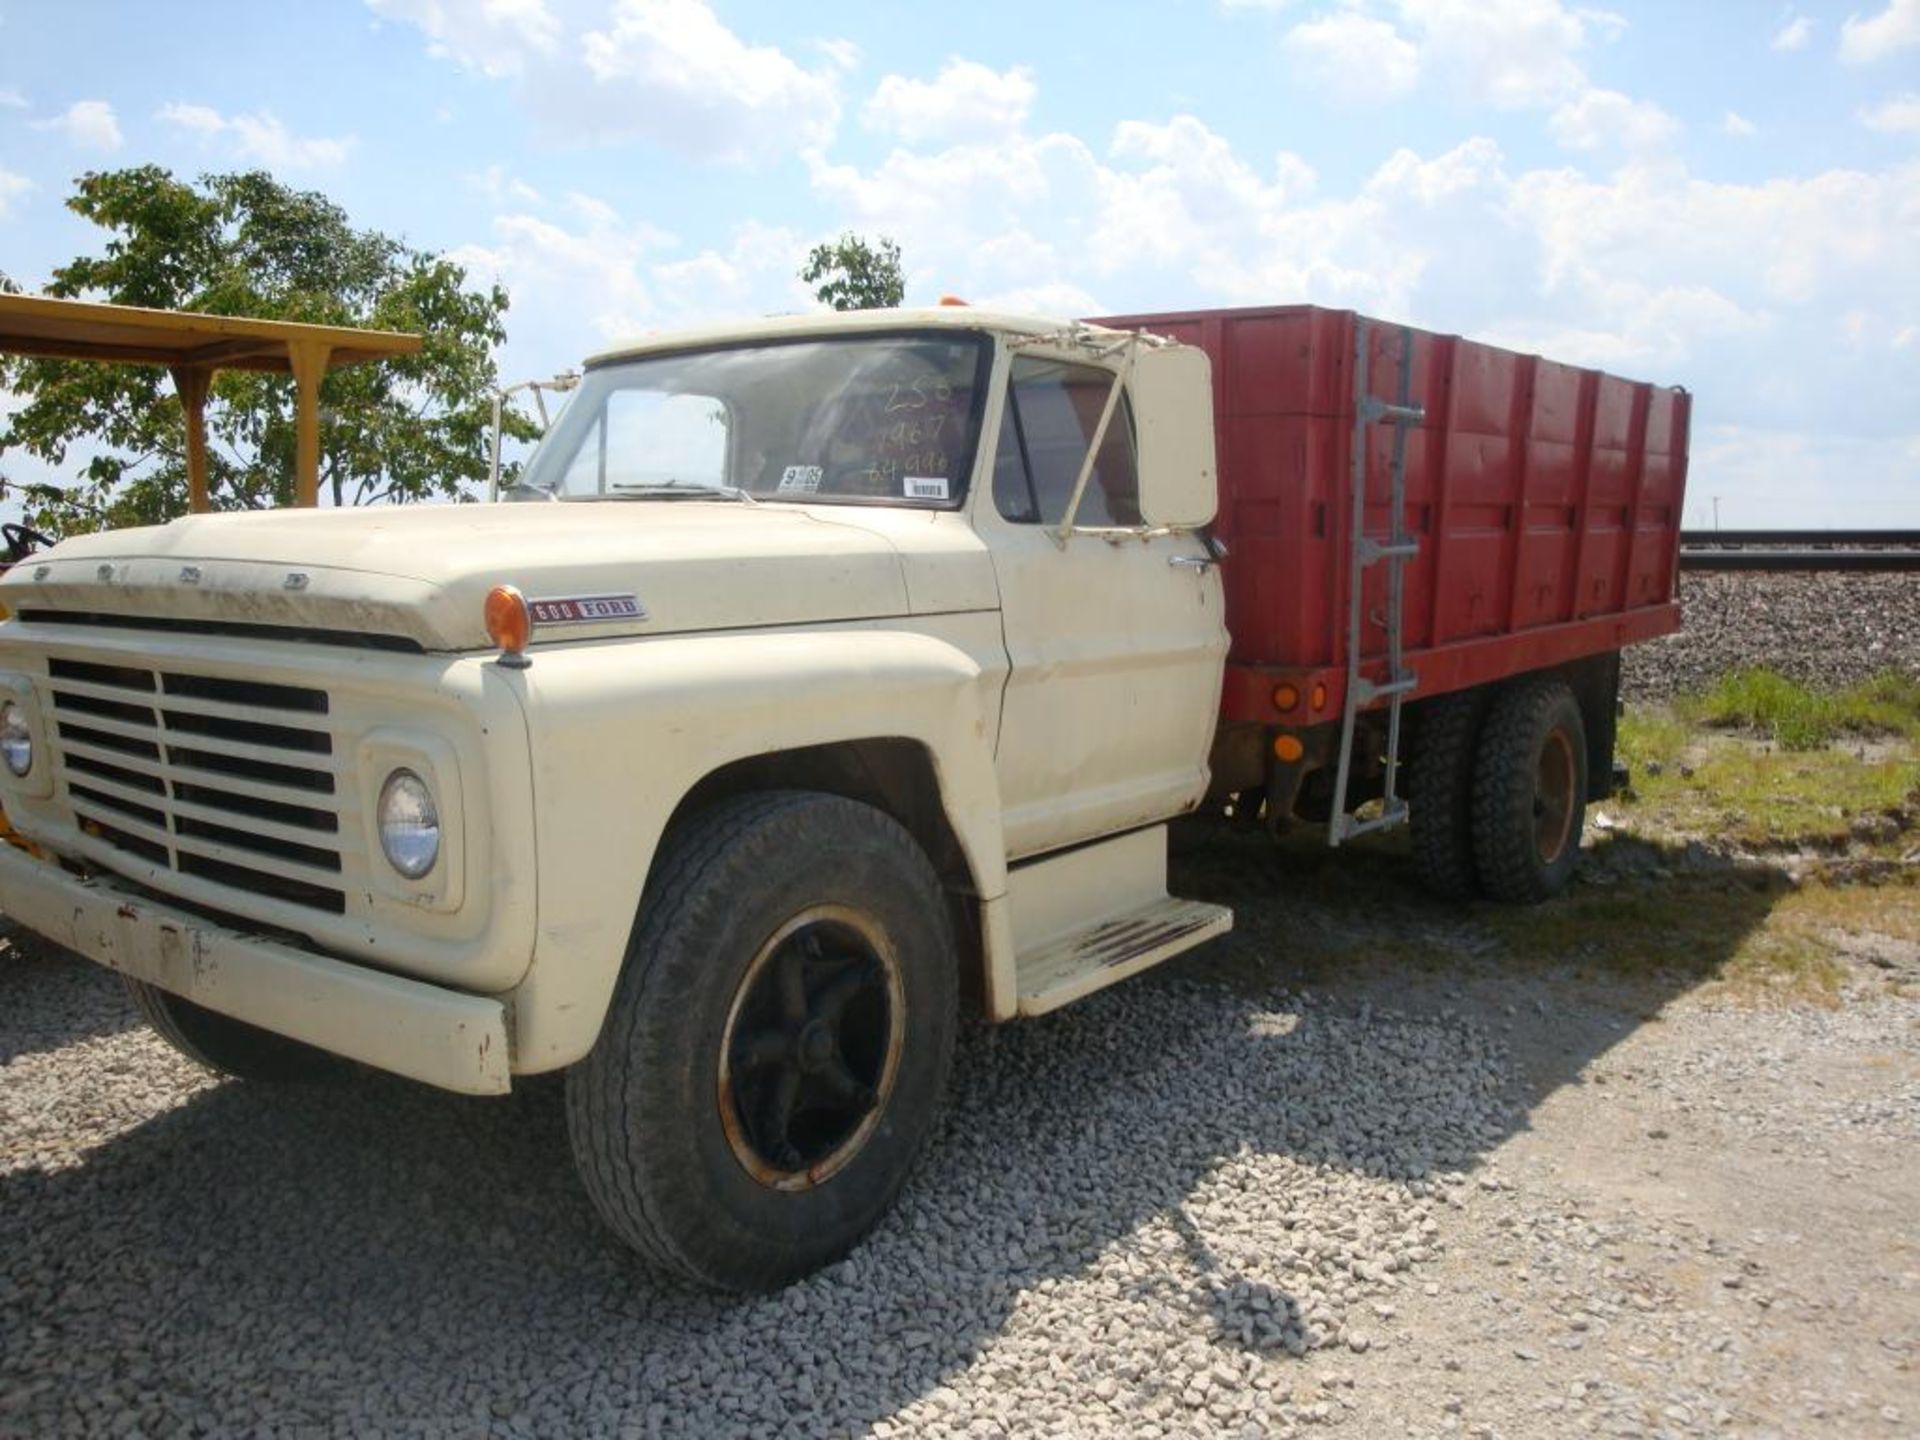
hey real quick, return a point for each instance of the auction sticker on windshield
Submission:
(803, 478)
(926, 487)
(580, 609)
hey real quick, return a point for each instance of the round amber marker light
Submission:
(1285, 697)
(1288, 748)
(952, 300)
(509, 623)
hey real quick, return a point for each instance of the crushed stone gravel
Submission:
(1828, 630)
(1483, 1193)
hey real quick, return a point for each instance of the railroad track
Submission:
(1804, 550)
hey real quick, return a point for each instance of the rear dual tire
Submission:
(1497, 791)
(1529, 792)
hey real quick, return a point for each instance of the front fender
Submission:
(623, 730)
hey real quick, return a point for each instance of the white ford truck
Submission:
(837, 673)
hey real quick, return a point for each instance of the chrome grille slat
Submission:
(231, 780)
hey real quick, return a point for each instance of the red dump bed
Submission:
(1545, 500)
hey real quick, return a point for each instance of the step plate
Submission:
(1113, 949)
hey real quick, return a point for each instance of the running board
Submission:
(1113, 949)
(1093, 916)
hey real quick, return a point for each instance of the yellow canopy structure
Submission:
(192, 346)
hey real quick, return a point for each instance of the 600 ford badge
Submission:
(581, 609)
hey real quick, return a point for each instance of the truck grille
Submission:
(228, 780)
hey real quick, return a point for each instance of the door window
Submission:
(1053, 408)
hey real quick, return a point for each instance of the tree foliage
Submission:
(851, 274)
(243, 244)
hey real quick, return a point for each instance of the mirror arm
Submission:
(1120, 378)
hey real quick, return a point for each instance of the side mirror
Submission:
(1173, 426)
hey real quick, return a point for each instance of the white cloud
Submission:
(844, 54)
(1900, 115)
(1737, 125)
(495, 37)
(1772, 477)
(1353, 56)
(12, 187)
(601, 276)
(11, 99)
(667, 71)
(1793, 34)
(1875, 37)
(965, 100)
(1606, 119)
(259, 138)
(87, 124)
(1511, 54)
(503, 189)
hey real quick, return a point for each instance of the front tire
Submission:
(1530, 792)
(228, 1046)
(778, 1044)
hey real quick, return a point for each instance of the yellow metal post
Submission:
(308, 359)
(191, 383)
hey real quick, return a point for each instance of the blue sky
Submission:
(1721, 195)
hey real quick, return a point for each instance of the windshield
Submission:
(874, 419)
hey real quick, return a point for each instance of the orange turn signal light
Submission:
(1288, 747)
(1320, 697)
(509, 625)
(1285, 697)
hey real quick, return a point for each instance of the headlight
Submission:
(409, 823)
(16, 739)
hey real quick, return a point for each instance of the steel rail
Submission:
(1801, 539)
(1800, 550)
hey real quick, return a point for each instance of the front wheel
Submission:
(778, 1045)
(1530, 792)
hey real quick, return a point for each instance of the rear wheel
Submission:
(1530, 791)
(228, 1046)
(1440, 795)
(778, 1045)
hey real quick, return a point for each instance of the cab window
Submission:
(1053, 407)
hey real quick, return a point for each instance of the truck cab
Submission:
(820, 677)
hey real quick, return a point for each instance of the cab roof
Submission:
(835, 322)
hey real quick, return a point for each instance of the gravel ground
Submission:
(1820, 629)
(1484, 1194)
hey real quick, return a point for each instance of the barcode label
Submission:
(926, 487)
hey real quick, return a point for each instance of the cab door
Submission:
(1115, 635)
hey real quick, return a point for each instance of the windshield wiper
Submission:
(681, 490)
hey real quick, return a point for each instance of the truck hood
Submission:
(420, 574)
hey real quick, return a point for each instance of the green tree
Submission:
(850, 274)
(244, 244)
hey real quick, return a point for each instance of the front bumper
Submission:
(455, 1041)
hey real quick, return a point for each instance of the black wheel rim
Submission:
(811, 1048)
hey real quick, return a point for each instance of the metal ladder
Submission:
(1398, 548)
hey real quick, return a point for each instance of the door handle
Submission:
(1198, 562)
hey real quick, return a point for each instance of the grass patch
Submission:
(1719, 786)
(1797, 717)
